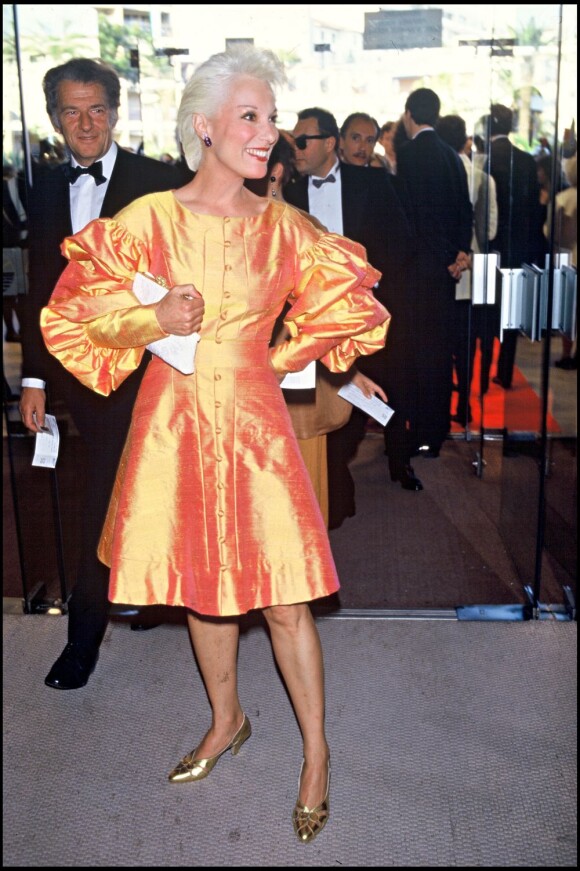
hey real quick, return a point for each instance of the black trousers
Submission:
(507, 357)
(341, 447)
(103, 424)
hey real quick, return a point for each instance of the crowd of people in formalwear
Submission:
(416, 225)
(440, 209)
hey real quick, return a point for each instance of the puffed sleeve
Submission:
(335, 317)
(93, 323)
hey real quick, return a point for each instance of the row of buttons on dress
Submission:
(227, 294)
(221, 484)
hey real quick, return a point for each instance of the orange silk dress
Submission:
(212, 508)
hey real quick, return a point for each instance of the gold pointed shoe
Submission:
(190, 768)
(309, 823)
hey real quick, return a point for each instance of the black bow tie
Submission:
(95, 169)
(318, 182)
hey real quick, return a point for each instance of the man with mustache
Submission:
(358, 136)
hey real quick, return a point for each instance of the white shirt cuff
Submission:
(34, 382)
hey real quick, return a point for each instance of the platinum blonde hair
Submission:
(207, 89)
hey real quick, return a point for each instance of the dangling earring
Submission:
(206, 141)
(273, 179)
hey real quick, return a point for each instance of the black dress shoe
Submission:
(337, 522)
(567, 363)
(73, 668)
(142, 626)
(406, 476)
(429, 454)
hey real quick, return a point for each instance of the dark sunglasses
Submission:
(302, 141)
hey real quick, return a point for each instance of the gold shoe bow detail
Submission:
(190, 768)
(309, 823)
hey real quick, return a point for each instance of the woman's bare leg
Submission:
(298, 652)
(215, 643)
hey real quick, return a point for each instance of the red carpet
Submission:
(517, 410)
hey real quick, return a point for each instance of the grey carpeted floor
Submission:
(450, 545)
(453, 744)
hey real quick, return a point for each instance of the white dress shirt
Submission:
(86, 202)
(481, 185)
(86, 197)
(325, 202)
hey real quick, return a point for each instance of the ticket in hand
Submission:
(47, 444)
(374, 406)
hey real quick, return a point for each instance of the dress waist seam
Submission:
(231, 352)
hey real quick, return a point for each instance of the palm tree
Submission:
(117, 42)
(533, 36)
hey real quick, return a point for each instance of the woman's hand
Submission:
(180, 312)
(368, 386)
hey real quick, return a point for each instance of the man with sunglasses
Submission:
(363, 205)
(316, 140)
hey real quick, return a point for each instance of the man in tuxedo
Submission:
(520, 237)
(100, 178)
(365, 206)
(436, 183)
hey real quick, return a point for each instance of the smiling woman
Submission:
(213, 509)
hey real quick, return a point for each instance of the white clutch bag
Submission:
(177, 351)
(303, 380)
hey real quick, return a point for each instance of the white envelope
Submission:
(177, 351)
(305, 379)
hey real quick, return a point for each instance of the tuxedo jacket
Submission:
(519, 236)
(436, 184)
(102, 422)
(374, 215)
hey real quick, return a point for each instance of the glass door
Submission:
(495, 523)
